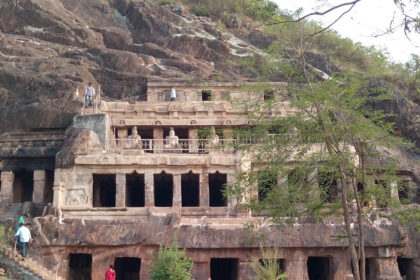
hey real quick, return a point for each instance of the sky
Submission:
(367, 19)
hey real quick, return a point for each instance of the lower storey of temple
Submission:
(134, 261)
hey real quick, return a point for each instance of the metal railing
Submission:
(184, 146)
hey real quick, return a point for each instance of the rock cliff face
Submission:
(49, 49)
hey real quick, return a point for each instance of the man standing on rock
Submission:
(173, 94)
(90, 93)
(25, 237)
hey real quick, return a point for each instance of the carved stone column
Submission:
(120, 197)
(158, 139)
(232, 202)
(204, 190)
(387, 269)
(393, 189)
(40, 179)
(7, 178)
(193, 136)
(342, 269)
(245, 271)
(201, 270)
(296, 269)
(149, 195)
(177, 197)
(58, 195)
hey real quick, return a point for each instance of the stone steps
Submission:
(32, 265)
(13, 210)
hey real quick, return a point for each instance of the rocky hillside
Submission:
(51, 48)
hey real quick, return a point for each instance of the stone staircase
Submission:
(32, 265)
(13, 210)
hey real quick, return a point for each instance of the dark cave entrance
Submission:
(127, 268)
(80, 267)
(406, 268)
(224, 269)
(23, 186)
(190, 189)
(216, 184)
(134, 190)
(319, 268)
(163, 189)
(104, 190)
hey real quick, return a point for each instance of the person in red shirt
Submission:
(110, 273)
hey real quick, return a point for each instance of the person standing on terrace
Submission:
(90, 93)
(173, 94)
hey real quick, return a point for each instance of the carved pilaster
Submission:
(120, 198)
(149, 190)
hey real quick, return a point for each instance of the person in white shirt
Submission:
(24, 235)
(90, 93)
(173, 94)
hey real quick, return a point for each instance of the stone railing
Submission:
(180, 146)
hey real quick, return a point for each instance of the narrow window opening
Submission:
(267, 179)
(327, 182)
(127, 268)
(104, 190)
(23, 186)
(190, 190)
(382, 193)
(319, 268)
(223, 269)
(80, 267)
(135, 190)
(216, 185)
(406, 268)
(403, 190)
(206, 95)
(163, 189)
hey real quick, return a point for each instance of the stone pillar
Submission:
(120, 197)
(158, 135)
(58, 200)
(144, 269)
(232, 202)
(342, 269)
(149, 195)
(297, 269)
(313, 179)
(393, 190)
(193, 136)
(245, 271)
(40, 179)
(201, 270)
(7, 178)
(204, 190)
(177, 199)
(387, 269)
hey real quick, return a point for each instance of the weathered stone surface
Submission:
(78, 142)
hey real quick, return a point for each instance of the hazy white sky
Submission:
(367, 19)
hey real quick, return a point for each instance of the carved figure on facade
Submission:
(77, 197)
(134, 140)
(213, 138)
(172, 141)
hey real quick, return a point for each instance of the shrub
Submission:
(201, 11)
(171, 264)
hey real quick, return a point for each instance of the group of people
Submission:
(23, 235)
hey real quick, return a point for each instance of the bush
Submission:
(268, 268)
(201, 11)
(171, 264)
(6, 235)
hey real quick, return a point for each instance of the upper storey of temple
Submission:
(194, 104)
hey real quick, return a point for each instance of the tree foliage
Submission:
(171, 264)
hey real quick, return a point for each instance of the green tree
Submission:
(171, 264)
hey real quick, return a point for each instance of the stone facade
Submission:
(115, 200)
